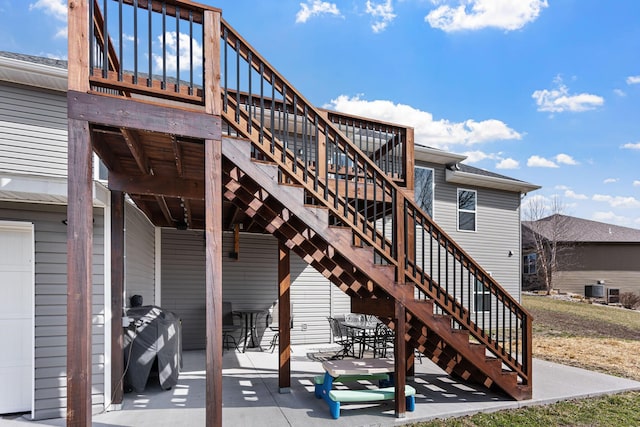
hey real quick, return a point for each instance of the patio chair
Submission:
(384, 340)
(229, 328)
(273, 325)
(341, 338)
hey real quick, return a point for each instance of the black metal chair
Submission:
(229, 328)
(384, 339)
(274, 326)
(341, 338)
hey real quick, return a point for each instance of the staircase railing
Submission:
(310, 150)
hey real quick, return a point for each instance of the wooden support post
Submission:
(284, 318)
(400, 361)
(409, 155)
(411, 360)
(117, 294)
(79, 251)
(213, 280)
(400, 237)
(211, 43)
(78, 45)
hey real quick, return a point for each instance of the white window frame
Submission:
(527, 263)
(474, 211)
(480, 291)
(433, 189)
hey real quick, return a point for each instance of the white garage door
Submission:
(16, 316)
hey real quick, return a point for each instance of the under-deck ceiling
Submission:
(163, 175)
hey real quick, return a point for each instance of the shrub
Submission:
(630, 300)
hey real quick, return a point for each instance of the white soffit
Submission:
(466, 178)
(33, 74)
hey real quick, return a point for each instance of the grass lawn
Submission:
(590, 336)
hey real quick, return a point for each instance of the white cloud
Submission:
(561, 187)
(540, 162)
(617, 201)
(55, 8)
(611, 218)
(430, 132)
(620, 93)
(633, 80)
(478, 14)
(636, 183)
(316, 8)
(632, 145)
(477, 156)
(611, 180)
(559, 99)
(62, 33)
(565, 159)
(508, 163)
(570, 194)
(383, 14)
(185, 56)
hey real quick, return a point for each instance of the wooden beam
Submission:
(79, 284)
(78, 46)
(153, 185)
(382, 307)
(400, 361)
(213, 281)
(188, 217)
(177, 153)
(409, 156)
(284, 317)
(137, 150)
(104, 152)
(129, 113)
(162, 203)
(117, 294)
(213, 91)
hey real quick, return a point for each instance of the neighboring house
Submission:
(166, 265)
(589, 253)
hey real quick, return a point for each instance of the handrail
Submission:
(357, 191)
(149, 47)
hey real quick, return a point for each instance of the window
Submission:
(424, 189)
(100, 171)
(467, 206)
(481, 297)
(529, 264)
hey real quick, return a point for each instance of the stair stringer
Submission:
(355, 274)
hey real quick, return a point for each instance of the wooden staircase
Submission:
(279, 208)
(303, 176)
(316, 191)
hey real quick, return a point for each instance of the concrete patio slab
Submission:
(251, 396)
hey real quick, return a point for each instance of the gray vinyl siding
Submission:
(33, 131)
(614, 264)
(51, 305)
(139, 256)
(183, 292)
(249, 282)
(497, 228)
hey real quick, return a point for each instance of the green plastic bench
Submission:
(319, 381)
(336, 397)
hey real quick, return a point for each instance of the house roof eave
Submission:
(33, 74)
(466, 178)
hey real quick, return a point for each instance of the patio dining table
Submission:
(361, 331)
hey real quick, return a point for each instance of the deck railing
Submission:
(153, 48)
(315, 152)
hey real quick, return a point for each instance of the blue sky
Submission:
(546, 91)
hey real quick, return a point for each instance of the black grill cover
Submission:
(153, 333)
